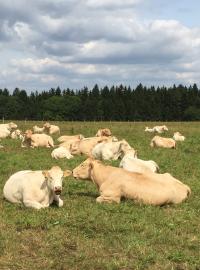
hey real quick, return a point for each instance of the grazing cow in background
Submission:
(61, 152)
(38, 130)
(37, 140)
(110, 150)
(131, 163)
(103, 132)
(158, 141)
(115, 183)
(178, 137)
(36, 189)
(51, 129)
(65, 138)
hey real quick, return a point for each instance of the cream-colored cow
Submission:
(160, 129)
(36, 189)
(178, 137)
(37, 140)
(17, 134)
(158, 141)
(61, 152)
(115, 183)
(8, 126)
(103, 132)
(131, 163)
(38, 130)
(110, 150)
(65, 138)
(86, 145)
(51, 129)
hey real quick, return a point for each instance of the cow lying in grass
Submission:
(158, 141)
(36, 189)
(131, 163)
(36, 140)
(115, 183)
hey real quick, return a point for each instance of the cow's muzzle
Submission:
(57, 190)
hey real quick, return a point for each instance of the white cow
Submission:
(160, 129)
(51, 129)
(17, 134)
(36, 189)
(147, 129)
(8, 126)
(178, 137)
(131, 163)
(61, 152)
(37, 140)
(110, 150)
(37, 129)
(4, 133)
(158, 141)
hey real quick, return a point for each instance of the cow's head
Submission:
(28, 133)
(124, 146)
(165, 128)
(54, 178)
(83, 171)
(132, 153)
(47, 125)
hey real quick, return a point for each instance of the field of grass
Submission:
(84, 235)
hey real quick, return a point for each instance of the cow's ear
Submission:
(46, 174)
(67, 173)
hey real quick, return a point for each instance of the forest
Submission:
(116, 103)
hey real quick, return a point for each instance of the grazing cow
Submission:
(38, 130)
(103, 132)
(37, 140)
(178, 137)
(17, 134)
(158, 141)
(131, 163)
(51, 129)
(147, 129)
(110, 150)
(115, 183)
(66, 138)
(61, 152)
(160, 129)
(86, 145)
(36, 189)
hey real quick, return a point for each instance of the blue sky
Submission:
(76, 43)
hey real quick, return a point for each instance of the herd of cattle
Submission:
(135, 178)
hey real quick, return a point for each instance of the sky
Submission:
(77, 43)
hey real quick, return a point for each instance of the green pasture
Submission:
(84, 235)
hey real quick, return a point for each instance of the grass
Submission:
(86, 235)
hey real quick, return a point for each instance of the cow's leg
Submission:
(58, 200)
(107, 194)
(107, 199)
(34, 204)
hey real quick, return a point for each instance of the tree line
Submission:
(117, 103)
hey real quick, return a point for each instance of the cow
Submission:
(51, 129)
(114, 183)
(4, 133)
(61, 152)
(131, 163)
(86, 145)
(8, 126)
(178, 137)
(158, 141)
(160, 129)
(36, 189)
(110, 150)
(65, 138)
(37, 140)
(38, 130)
(103, 132)
(147, 129)
(17, 134)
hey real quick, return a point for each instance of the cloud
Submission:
(74, 43)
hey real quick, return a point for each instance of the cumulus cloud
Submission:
(76, 42)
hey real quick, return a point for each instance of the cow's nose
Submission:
(58, 188)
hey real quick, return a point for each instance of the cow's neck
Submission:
(98, 174)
